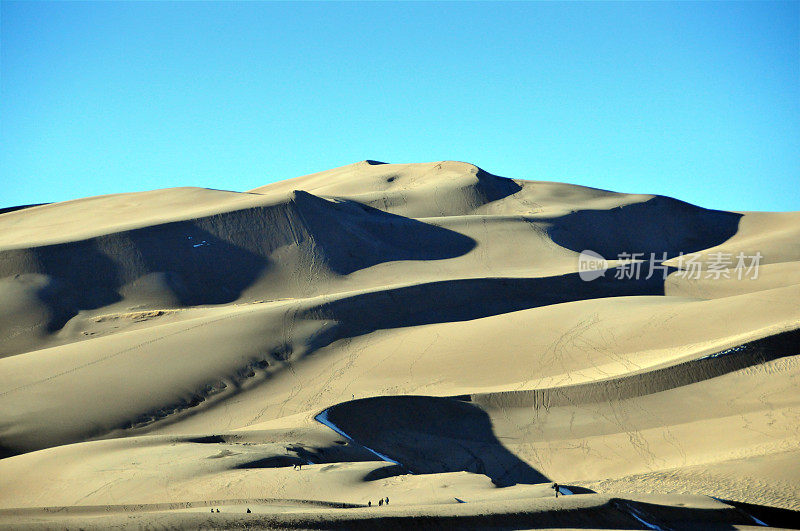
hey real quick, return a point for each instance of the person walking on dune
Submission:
(555, 488)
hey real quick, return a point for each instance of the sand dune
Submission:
(168, 352)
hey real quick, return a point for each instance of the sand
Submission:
(167, 353)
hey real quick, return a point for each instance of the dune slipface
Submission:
(430, 334)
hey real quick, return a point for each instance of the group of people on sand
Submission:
(385, 501)
(380, 502)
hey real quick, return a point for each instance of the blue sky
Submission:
(699, 101)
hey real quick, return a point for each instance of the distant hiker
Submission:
(387, 500)
(555, 488)
(248, 509)
(217, 510)
(212, 509)
(380, 502)
(369, 503)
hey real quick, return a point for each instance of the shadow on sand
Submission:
(658, 225)
(213, 260)
(463, 300)
(430, 435)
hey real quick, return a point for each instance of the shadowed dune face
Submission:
(34, 301)
(32, 307)
(213, 260)
(491, 188)
(209, 272)
(199, 334)
(91, 273)
(350, 236)
(659, 225)
(464, 300)
(750, 354)
(430, 435)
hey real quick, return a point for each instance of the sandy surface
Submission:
(169, 353)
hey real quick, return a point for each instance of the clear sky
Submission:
(699, 101)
